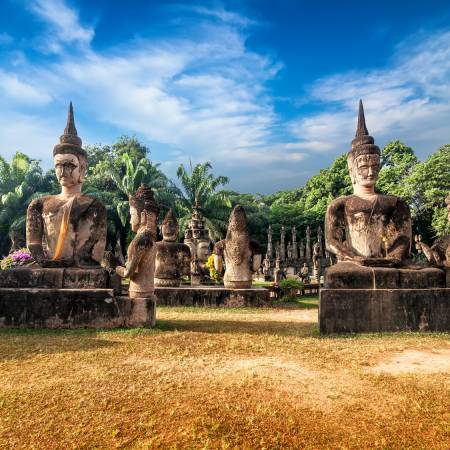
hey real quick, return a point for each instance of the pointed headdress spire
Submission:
(69, 141)
(363, 144)
(361, 129)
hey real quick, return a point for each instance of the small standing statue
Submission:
(304, 273)
(316, 262)
(289, 250)
(140, 266)
(242, 257)
(266, 268)
(308, 244)
(439, 253)
(172, 258)
(277, 273)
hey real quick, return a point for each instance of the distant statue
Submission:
(367, 228)
(439, 253)
(316, 261)
(242, 257)
(266, 267)
(68, 229)
(289, 250)
(304, 273)
(308, 244)
(278, 273)
(140, 266)
(172, 258)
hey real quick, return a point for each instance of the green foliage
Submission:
(291, 284)
(200, 186)
(21, 181)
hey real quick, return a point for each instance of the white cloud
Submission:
(64, 23)
(410, 101)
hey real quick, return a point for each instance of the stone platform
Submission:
(211, 296)
(72, 308)
(364, 299)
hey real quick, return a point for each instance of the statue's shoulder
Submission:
(219, 247)
(38, 203)
(393, 201)
(91, 202)
(340, 201)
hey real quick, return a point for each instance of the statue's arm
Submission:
(34, 230)
(139, 245)
(219, 248)
(186, 260)
(401, 246)
(334, 232)
(97, 214)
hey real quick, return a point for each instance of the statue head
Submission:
(238, 222)
(69, 158)
(203, 250)
(364, 158)
(143, 209)
(169, 227)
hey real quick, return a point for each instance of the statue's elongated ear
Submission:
(143, 220)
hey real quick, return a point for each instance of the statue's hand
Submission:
(121, 271)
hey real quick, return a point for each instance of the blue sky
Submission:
(267, 91)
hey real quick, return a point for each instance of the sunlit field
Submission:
(224, 378)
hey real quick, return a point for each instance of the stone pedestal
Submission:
(72, 308)
(363, 299)
(212, 296)
(59, 278)
(69, 298)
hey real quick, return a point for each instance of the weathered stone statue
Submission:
(242, 257)
(319, 239)
(283, 243)
(289, 251)
(68, 229)
(269, 252)
(439, 253)
(367, 228)
(294, 243)
(266, 267)
(308, 244)
(304, 273)
(140, 266)
(277, 273)
(301, 249)
(196, 237)
(172, 258)
(316, 262)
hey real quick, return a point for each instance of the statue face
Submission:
(203, 251)
(169, 231)
(68, 170)
(135, 219)
(365, 170)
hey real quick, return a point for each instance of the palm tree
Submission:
(21, 181)
(200, 188)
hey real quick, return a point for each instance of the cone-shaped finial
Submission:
(238, 220)
(70, 127)
(170, 218)
(69, 142)
(361, 129)
(363, 143)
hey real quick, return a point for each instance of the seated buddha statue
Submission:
(367, 228)
(173, 259)
(68, 229)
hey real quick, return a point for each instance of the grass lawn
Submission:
(218, 378)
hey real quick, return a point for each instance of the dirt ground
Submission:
(216, 378)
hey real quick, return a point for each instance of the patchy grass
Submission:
(219, 378)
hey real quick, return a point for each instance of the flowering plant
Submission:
(20, 257)
(212, 271)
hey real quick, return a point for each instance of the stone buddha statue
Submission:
(172, 258)
(68, 229)
(242, 257)
(140, 266)
(367, 228)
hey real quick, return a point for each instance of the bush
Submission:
(291, 284)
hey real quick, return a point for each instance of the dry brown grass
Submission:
(220, 379)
